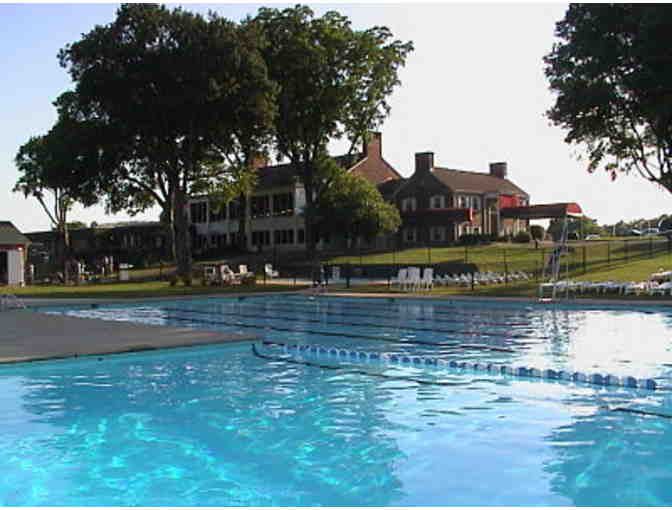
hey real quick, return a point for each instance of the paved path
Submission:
(28, 336)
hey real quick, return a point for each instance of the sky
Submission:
(473, 92)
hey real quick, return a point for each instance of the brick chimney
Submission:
(424, 162)
(498, 170)
(259, 161)
(375, 145)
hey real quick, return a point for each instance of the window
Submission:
(437, 202)
(283, 204)
(437, 233)
(301, 236)
(476, 203)
(234, 209)
(409, 235)
(408, 204)
(261, 237)
(283, 236)
(463, 202)
(217, 211)
(198, 212)
(260, 206)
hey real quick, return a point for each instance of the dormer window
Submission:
(463, 202)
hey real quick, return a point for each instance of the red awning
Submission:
(542, 211)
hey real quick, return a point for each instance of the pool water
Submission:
(237, 426)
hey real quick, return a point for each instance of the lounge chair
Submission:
(270, 272)
(243, 272)
(401, 278)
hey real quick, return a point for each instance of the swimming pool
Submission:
(271, 424)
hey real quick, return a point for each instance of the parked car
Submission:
(635, 232)
(650, 232)
(592, 237)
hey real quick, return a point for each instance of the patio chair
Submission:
(243, 272)
(413, 280)
(400, 280)
(227, 276)
(427, 281)
(335, 273)
(270, 272)
(661, 289)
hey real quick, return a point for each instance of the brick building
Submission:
(440, 204)
(274, 217)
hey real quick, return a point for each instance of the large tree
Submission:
(174, 88)
(352, 206)
(612, 73)
(334, 81)
(47, 164)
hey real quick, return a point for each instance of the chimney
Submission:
(374, 147)
(258, 161)
(424, 162)
(498, 170)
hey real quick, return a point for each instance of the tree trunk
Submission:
(308, 216)
(242, 222)
(182, 237)
(62, 250)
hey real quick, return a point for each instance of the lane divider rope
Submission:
(493, 368)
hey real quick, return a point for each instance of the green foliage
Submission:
(576, 227)
(537, 232)
(183, 99)
(611, 73)
(522, 237)
(352, 205)
(333, 81)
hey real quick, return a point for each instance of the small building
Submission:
(13, 249)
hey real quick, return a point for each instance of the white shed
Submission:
(13, 252)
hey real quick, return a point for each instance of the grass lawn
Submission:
(137, 290)
(601, 263)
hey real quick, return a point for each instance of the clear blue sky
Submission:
(473, 92)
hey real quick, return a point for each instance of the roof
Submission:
(542, 211)
(476, 182)
(9, 234)
(284, 175)
(389, 187)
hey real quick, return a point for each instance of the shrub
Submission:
(537, 232)
(522, 237)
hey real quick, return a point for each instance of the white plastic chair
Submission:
(427, 281)
(401, 278)
(270, 272)
(413, 280)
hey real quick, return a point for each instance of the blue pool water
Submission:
(233, 426)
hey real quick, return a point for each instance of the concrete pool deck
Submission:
(26, 335)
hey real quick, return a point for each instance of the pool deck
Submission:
(29, 336)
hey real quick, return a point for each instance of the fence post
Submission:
(584, 260)
(347, 275)
(472, 281)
